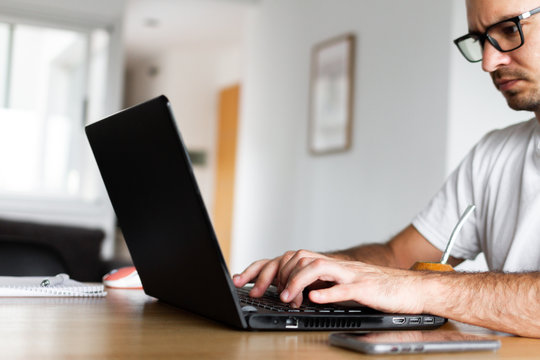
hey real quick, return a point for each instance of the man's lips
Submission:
(506, 84)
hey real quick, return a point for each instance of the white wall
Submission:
(286, 198)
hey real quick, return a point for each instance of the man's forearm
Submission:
(376, 254)
(503, 302)
(402, 251)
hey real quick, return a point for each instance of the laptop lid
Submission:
(149, 179)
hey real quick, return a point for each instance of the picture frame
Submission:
(331, 95)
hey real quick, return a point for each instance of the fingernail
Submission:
(285, 295)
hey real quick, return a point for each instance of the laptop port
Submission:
(429, 320)
(291, 323)
(414, 321)
(398, 320)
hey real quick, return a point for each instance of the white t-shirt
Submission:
(501, 176)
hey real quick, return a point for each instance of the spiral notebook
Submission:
(48, 286)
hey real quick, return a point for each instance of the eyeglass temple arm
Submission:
(529, 13)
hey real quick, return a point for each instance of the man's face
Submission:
(516, 74)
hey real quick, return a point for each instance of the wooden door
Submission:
(225, 166)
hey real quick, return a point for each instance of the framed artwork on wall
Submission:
(331, 95)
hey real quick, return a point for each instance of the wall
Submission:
(287, 198)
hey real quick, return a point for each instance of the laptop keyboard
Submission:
(271, 301)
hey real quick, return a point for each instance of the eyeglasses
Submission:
(505, 36)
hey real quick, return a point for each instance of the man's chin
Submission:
(519, 102)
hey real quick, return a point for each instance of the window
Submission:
(51, 80)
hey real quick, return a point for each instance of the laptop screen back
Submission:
(149, 179)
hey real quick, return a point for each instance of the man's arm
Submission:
(502, 302)
(402, 251)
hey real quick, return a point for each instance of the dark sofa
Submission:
(30, 248)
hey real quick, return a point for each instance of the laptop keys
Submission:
(271, 301)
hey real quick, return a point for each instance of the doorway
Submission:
(227, 131)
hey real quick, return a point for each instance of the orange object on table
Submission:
(431, 266)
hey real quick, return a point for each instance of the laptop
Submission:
(149, 179)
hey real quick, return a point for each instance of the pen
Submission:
(54, 281)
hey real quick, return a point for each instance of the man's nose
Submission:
(492, 58)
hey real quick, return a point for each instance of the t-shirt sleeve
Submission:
(437, 220)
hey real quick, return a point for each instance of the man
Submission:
(501, 176)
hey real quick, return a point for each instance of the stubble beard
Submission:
(520, 100)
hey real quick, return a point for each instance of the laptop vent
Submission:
(331, 323)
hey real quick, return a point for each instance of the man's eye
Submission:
(510, 29)
(507, 29)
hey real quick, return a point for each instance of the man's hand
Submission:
(275, 271)
(386, 289)
(400, 252)
(370, 285)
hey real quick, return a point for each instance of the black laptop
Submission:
(148, 176)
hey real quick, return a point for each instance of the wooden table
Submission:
(129, 324)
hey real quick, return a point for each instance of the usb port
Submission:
(414, 320)
(429, 320)
(398, 320)
(291, 323)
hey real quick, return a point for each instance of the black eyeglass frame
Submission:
(482, 37)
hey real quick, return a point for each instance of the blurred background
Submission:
(238, 75)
